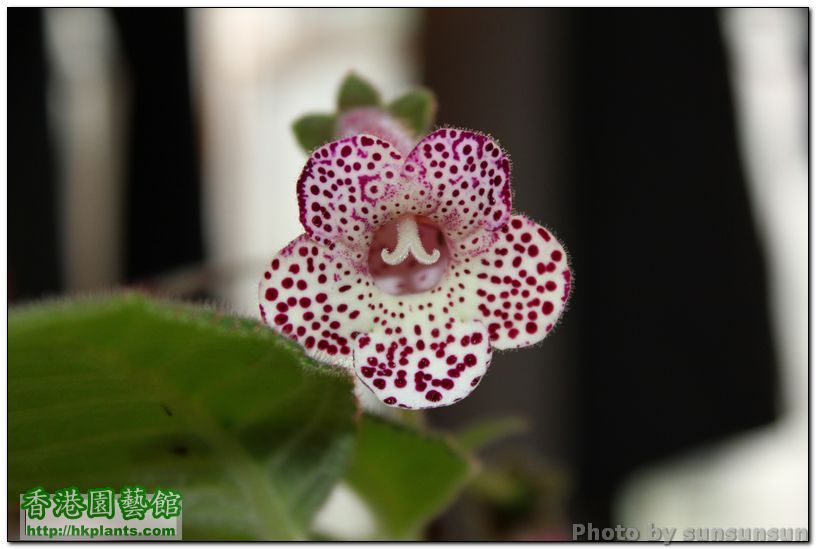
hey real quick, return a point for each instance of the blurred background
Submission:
(152, 148)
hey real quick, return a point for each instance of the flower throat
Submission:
(408, 255)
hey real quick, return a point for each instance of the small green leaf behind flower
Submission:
(314, 130)
(356, 92)
(416, 109)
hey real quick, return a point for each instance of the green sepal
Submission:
(416, 109)
(314, 130)
(356, 92)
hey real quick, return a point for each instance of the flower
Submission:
(412, 270)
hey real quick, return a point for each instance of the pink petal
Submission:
(427, 365)
(469, 178)
(376, 121)
(351, 187)
(521, 285)
(315, 297)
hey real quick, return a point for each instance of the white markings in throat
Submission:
(409, 243)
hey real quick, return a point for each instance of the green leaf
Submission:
(356, 92)
(483, 433)
(122, 391)
(406, 477)
(314, 130)
(417, 109)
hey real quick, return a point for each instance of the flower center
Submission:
(408, 255)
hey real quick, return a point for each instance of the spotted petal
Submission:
(350, 187)
(521, 284)
(428, 364)
(315, 296)
(468, 175)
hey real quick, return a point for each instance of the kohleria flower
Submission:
(413, 269)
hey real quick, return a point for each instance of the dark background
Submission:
(621, 124)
